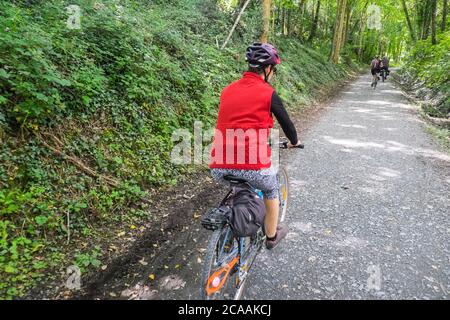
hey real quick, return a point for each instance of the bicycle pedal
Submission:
(216, 218)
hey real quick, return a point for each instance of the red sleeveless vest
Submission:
(243, 125)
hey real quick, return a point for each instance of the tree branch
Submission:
(235, 24)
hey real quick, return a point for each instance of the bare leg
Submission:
(271, 219)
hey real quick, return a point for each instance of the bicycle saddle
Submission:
(234, 179)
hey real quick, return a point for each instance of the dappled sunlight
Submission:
(393, 91)
(390, 173)
(363, 110)
(378, 102)
(376, 183)
(389, 146)
(357, 126)
(353, 143)
(387, 117)
(404, 106)
(377, 177)
(296, 183)
(396, 144)
(385, 104)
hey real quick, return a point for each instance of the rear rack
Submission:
(216, 218)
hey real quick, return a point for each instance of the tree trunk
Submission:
(314, 23)
(420, 5)
(288, 24)
(272, 30)
(345, 29)
(338, 31)
(361, 36)
(266, 20)
(426, 19)
(408, 21)
(433, 21)
(235, 24)
(358, 21)
(444, 16)
(285, 18)
(300, 31)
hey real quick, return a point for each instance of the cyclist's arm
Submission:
(282, 116)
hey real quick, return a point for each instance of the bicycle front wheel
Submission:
(283, 182)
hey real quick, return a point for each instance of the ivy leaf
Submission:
(96, 263)
(86, 100)
(41, 220)
(4, 74)
(10, 269)
(39, 265)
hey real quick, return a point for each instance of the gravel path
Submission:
(369, 210)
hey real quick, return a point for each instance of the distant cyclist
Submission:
(374, 69)
(385, 64)
(246, 107)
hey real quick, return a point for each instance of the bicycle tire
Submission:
(210, 258)
(283, 180)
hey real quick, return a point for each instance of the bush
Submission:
(430, 65)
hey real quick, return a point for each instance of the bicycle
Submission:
(383, 74)
(374, 80)
(229, 258)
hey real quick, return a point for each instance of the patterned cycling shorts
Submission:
(264, 179)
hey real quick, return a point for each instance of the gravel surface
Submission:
(369, 210)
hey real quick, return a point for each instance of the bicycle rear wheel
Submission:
(283, 182)
(220, 275)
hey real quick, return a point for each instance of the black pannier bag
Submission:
(247, 212)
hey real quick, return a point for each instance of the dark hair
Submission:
(257, 70)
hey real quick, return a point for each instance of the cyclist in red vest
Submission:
(240, 146)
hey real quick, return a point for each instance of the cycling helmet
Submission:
(261, 55)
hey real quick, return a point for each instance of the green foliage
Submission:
(85, 260)
(430, 65)
(110, 96)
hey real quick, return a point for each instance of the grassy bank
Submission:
(425, 72)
